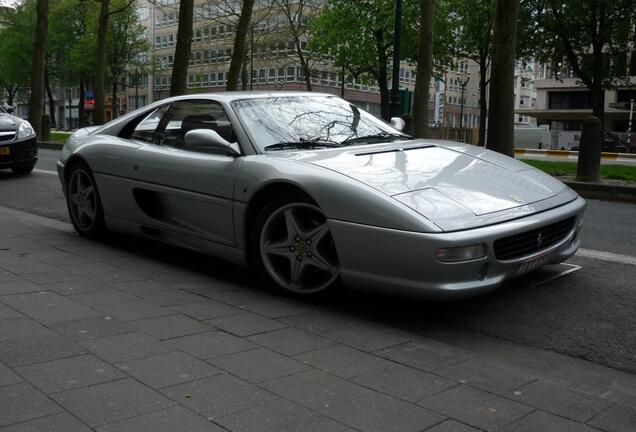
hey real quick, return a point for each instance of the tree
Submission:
(16, 47)
(502, 98)
(37, 65)
(424, 68)
(297, 15)
(238, 52)
(100, 62)
(183, 48)
(472, 27)
(589, 37)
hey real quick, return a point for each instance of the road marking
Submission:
(607, 256)
(45, 172)
(572, 268)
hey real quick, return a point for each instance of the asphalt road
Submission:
(588, 313)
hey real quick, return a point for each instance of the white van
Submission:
(533, 138)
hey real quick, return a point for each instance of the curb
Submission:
(605, 192)
(50, 145)
(574, 154)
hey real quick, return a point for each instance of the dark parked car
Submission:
(18, 144)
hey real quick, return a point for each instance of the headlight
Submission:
(464, 253)
(25, 130)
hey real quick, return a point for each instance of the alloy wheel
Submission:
(82, 199)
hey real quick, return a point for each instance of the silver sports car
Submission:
(312, 191)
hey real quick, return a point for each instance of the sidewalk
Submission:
(96, 337)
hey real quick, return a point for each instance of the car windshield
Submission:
(308, 122)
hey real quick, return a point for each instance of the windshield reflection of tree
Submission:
(291, 119)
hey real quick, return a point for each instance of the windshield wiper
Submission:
(379, 137)
(302, 144)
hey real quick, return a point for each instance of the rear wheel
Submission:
(292, 246)
(83, 202)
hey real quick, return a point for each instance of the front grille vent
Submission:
(7, 136)
(533, 241)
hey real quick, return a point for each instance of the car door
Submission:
(186, 189)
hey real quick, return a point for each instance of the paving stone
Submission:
(87, 269)
(22, 402)
(7, 276)
(204, 310)
(36, 349)
(246, 324)
(7, 376)
(320, 322)
(56, 423)
(451, 425)
(560, 400)
(99, 300)
(113, 401)
(280, 416)
(404, 382)
(18, 328)
(211, 344)
(172, 326)
(7, 312)
(135, 310)
(316, 389)
(258, 365)
(124, 347)
(342, 361)
(76, 287)
(477, 408)
(487, 376)
(543, 421)
(172, 419)
(68, 373)
(31, 268)
(115, 276)
(291, 341)
(218, 395)
(618, 418)
(424, 355)
(273, 307)
(162, 294)
(379, 413)
(18, 286)
(237, 296)
(90, 328)
(369, 337)
(49, 307)
(168, 369)
(52, 277)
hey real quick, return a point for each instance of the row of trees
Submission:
(98, 41)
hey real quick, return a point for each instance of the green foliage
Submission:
(16, 44)
(612, 172)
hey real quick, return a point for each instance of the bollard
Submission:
(589, 164)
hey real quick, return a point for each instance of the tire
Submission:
(83, 202)
(292, 247)
(23, 170)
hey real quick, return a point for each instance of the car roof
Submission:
(256, 94)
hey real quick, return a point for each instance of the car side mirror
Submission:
(208, 140)
(398, 123)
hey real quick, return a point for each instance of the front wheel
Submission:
(83, 202)
(293, 246)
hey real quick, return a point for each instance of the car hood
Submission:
(445, 182)
(9, 122)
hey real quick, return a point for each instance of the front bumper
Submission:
(404, 262)
(21, 153)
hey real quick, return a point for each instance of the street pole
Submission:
(342, 84)
(251, 56)
(461, 109)
(395, 86)
(629, 124)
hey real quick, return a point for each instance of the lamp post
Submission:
(463, 85)
(395, 85)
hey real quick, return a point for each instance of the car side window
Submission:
(184, 116)
(145, 129)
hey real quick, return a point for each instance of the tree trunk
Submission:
(49, 96)
(100, 63)
(238, 52)
(37, 65)
(632, 61)
(483, 100)
(244, 75)
(382, 76)
(11, 92)
(502, 99)
(179, 82)
(424, 69)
